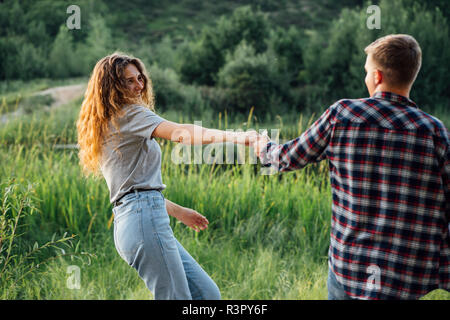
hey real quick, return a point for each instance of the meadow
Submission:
(268, 235)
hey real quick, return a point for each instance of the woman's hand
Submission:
(193, 219)
(255, 140)
(189, 217)
(259, 142)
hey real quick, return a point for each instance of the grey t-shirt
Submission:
(140, 163)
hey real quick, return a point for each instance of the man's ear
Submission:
(377, 77)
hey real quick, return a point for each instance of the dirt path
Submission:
(65, 94)
(61, 96)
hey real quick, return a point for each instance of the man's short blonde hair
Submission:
(398, 56)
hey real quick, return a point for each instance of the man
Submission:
(389, 168)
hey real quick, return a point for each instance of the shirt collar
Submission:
(390, 96)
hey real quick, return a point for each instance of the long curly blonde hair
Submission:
(105, 96)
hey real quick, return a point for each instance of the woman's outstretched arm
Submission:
(192, 134)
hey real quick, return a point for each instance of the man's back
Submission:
(386, 162)
(389, 175)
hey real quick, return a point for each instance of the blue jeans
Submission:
(144, 239)
(335, 289)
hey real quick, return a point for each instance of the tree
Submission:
(334, 60)
(98, 44)
(288, 45)
(252, 80)
(206, 56)
(62, 59)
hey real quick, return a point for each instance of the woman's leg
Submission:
(144, 239)
(201, 285)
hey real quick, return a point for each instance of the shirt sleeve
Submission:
(308, 148)
(141, 121)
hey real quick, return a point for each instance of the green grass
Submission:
(268, 235)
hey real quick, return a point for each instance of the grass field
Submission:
(267, 239)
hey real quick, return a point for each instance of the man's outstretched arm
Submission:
(295, 154)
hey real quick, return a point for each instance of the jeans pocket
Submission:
(158, 202)
(128, 235)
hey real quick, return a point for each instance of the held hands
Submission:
(255, 140)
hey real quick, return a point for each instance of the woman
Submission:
(116, 130)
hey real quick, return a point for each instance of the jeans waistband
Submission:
(117, 202)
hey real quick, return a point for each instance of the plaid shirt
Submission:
(389, 166)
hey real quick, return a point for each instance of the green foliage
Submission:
(202, 59)
(36, 42)
(318, 59)
(206, 56)
(171, 94)
(288, 46)
(164, 53)
(334, 61)
(252, 80)
(246, 24)
(63, 59)
(30, 104)
(97, 45)
(19, 259)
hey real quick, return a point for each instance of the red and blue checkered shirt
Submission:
(389, 165)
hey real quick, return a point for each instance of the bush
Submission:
(18, 259)
(202, 59)
(63, 60)
(98, 44)
(288, 45)
(206, 56)
(171, 94)
(252, 80)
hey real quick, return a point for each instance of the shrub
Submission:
(252, 80)
(202, 59)
(18, 259)
(206, 56)
(288, 45)
(63, 60)
(171, 94)
(97, 45)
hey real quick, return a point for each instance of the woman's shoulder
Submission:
(133, 109)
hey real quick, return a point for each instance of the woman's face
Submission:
(134, 80)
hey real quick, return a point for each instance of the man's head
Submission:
(392, 64)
